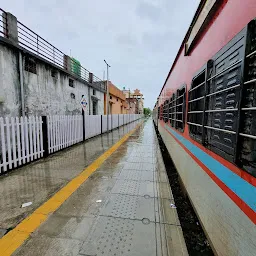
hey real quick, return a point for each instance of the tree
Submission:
(147, 111)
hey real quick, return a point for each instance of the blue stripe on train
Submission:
(239, 186)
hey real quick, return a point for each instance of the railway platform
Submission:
(119, 203)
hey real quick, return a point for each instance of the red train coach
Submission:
(206, 114)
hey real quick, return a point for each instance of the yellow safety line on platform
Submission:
(16, 237)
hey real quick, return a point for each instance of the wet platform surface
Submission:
(38, 181)
(123, 208)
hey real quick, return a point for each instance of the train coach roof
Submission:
(197, 13)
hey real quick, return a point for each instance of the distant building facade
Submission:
(135, 101)
(117, 101)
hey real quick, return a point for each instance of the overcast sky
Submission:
(139, 38)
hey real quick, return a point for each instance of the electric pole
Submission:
(107, 105)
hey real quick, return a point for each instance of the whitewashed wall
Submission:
(100, 96)
(9, 83)
(44, 94)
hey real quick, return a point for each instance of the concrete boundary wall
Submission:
(31, 84)
(48, 92)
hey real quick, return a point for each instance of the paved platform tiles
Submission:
(38, 181)
(122, 209)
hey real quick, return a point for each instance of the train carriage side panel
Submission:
(229, 230)
(214, 149)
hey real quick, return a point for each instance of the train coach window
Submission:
(177, 109)
(161, 112)
(222, 102)
(247, 131)
(172, 112)
(214, 98)
(181, 108)
(165, 111)
(196, 106)
(222, 98)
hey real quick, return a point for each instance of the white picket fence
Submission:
(64, 131)
(92, 125)
(104, 124)
(126, 119)
(121, 120)
(21, 141)
(115, 121)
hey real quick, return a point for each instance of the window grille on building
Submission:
(30, 64)
(71, 83)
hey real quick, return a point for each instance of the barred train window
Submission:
(172, 112)
(181, 108)
(161, 112)
(177, 109)
(222, 97)
(221, 116)
(196, 106)
(247, 135)
(165, 111)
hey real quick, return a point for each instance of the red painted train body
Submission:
(206, 114)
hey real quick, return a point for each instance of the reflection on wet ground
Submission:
(38, 181)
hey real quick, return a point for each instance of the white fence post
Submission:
(14, 143)
(18, 140)
(45, 134)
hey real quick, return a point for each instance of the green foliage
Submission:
(147, 111)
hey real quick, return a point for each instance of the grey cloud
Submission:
(127, 39)
(158, 41)
(149, 11)
(139, 38)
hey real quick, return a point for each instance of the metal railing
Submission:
(98, 83)
(39, 46)
(34, 43)
(3, 24)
